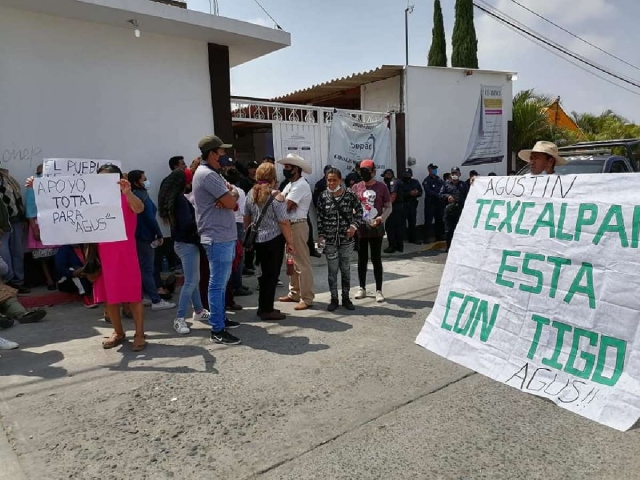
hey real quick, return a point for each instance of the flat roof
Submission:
(246, 41)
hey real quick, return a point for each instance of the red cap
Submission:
(368, 164)
(189, 174)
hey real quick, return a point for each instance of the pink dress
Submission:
(121, 281)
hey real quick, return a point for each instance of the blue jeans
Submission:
(236, 275)
(146, 255)
(220, 257)
(190, 257)
(12, 252)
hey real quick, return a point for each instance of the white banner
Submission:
(540, 291)
(351, 141)
(83, 209)
(486, 144)
(64, 167)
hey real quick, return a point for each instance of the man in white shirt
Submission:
(298, 199)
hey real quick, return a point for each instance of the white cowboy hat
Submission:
(543, 147)
(296, 161)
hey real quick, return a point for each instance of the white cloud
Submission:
(263, 22)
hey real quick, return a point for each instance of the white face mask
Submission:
(337, 189)
(146, 184)
(455, 177)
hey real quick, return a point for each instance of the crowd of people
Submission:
(228, 221)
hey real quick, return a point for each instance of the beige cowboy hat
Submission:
(543, 147)
(296, 161)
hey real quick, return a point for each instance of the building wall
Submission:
(440, 111)
(81, 90)
(382, 96)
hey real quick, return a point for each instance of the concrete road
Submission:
(319, 395)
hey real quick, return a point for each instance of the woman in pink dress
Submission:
(120, 280)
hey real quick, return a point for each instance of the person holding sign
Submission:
(120, 280)
(542, 158)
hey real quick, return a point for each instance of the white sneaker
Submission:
(146, 302)
(203, 316)
(162, 305)
(180, 326)
(362, 293)
(379, 296)
(7, 344)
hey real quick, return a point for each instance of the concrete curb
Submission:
(10, 468)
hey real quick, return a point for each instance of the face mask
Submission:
(455, 177)
(337, 189)
(366, 175)
(147, 184)
(387, 180)
(406, 179)
(38, 175)
(434, 171)
(287, 174)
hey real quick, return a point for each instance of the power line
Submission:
(268, 15)
(575, 64)
(574, 35)
(567, 52)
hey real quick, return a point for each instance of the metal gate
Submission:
(302, 129)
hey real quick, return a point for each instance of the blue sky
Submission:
(334, 38)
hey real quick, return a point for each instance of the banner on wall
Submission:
(80, 209)
(552, 307)
(486, 143)
(62, 167)
(351, 141)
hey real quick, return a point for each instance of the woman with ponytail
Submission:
(273, 234)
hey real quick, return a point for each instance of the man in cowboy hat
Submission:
(542, 158)
(298, 198)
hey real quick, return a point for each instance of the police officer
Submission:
(433, 206)
(412, 192)
(453, 194)
(395, 223)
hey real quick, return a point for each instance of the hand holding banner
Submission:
(82, 209)
(552, 308)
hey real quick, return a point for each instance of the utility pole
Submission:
(407, 12)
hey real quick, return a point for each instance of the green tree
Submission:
(438, 50)
(606, 126)
(465, 42)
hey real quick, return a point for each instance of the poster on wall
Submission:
(486, 143)
(552, 308)
(80, 209)
(62, 167)
(299, 143)
(351, 141)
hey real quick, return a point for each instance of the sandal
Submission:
(113, 341)
(139, 343)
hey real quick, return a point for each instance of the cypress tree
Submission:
(465, 42)
(438, 50)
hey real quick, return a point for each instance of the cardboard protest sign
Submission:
(540, 291)
(63, 167)
(83, 209)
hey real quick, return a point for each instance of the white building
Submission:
(75, 82)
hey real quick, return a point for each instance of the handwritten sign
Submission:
(539, 291)
(84, 209)
(64, 167)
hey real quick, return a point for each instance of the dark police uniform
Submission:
(410, 203)
(433, 207)
(452, 211)
(395, 223)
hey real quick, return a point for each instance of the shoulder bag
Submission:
(251, 234)
(92, 267)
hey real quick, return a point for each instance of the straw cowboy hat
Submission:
(543, 147)
(296, 161)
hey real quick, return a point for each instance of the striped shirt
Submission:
(269, 228)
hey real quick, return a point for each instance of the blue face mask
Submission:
(147, 184)
(435, 171)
